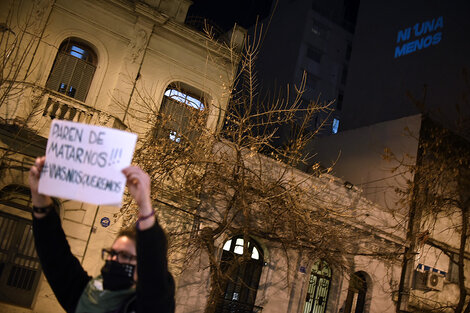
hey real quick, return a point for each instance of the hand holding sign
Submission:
(84, 163)
(39, 200)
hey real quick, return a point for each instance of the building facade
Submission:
(403, 166)
(83, 61)
(92, 62)
(315, 39)
(408, 65)
(407, 59)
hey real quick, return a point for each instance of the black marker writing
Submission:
(78, 154)
(71, 175)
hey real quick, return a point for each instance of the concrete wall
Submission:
(357, 156)
(283, 286)
(285, 276)
(130, 38)
(379, 84)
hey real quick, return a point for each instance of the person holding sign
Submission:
(135, 277)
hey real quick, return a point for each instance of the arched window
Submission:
(318, 288)
(243, 266)
(19, 265)
(182, 113)
(73, 69)
(356, 299)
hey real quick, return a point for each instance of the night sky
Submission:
(226, 13)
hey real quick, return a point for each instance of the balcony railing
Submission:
(66, 108)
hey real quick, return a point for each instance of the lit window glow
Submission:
(184, 98)
(173, 136)
(238, 249)
(335, 126)
(78, 52)
(238, 246)
(227, 245)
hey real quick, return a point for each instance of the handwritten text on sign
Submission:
(84, 162)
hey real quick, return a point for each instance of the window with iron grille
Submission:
(318, 288)
(181, 115)
(73, 69)
(19, 265)
(245, 263)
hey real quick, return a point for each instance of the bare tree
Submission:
(438, 192)
(236, 180)
(21, 33)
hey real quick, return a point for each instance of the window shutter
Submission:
(56, 73)
(67, 71)
(178, 117)
(75, 74)
(81, 79)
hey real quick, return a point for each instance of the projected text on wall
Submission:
(419, 37)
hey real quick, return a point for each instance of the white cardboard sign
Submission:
(84, 163)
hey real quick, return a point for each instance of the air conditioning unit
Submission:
(435, 281)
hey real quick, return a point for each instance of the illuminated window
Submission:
(242, 285)
(73, 69)
(335, 126)
(184, 98)
(181, 115)
(238, 248)
(78, 52)
(174, 136)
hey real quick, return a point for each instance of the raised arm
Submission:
(155, 285)
(138, 185)
(63, 271)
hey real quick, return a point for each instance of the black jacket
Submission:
(155, 290)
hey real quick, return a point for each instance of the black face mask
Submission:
(117, 276)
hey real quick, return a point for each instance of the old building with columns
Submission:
(90, 61)
(83, 61)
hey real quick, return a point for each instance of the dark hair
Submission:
(127, 232)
